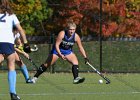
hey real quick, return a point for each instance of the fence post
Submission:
(100, 36)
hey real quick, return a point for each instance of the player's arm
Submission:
(21, 51)
(18, 42)
(58, 41)
(22, 33)
(80, 46)
(26, 46)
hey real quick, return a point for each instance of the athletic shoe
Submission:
(14, 96)
(78, 80)
(34, 79)
(29, 81)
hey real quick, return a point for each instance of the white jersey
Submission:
(6, 27)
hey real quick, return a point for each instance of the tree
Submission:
(86, 15)
(32, 13)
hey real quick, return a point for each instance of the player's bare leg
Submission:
(73, 60)
(23, 68)
(50, 61)
(1, 59)
(12, 76)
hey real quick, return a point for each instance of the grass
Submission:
(59, 86)
(117, 56)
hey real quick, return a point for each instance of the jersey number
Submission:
(1, 18)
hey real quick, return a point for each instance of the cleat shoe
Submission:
(78, 80)
(14, 96)
(34, 79)
(29, 81)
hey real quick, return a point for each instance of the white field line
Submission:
(78, 93)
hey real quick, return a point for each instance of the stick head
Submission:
(86, 61)
(35, 48)
(108, 82)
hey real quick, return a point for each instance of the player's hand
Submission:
(27, 48)
(26, 55)
(63, 57)
(86, 60)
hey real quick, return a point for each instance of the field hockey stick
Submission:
(107, 80)
(33, 63)
(35, 48)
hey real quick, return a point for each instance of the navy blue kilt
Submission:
(6, 48)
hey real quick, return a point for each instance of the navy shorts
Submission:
(64, 52)
(6, 48)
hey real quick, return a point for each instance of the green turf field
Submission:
(59, 87)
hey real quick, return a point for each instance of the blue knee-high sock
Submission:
(12, 81)
(25, 72)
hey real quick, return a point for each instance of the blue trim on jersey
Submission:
(6, 48)
(69, 38)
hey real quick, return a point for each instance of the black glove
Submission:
(27, 48)
(86, 60)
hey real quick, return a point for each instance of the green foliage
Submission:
(116, 16)
(120, 17)
(31, 13)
